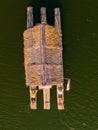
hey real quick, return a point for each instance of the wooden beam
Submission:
(43, 15)
(46, 97)
(42, 49)
(60, 100)
(57, 18)
(29, 17)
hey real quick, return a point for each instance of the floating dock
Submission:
(43, 58)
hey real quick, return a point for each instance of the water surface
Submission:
(80, 41)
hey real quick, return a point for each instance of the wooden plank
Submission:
(57, 18)
(29, 17)
(43, 15)
(60, 99)
(33, 105)
(46, 97)
(58, 23)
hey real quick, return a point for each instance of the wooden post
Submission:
(29, 17)
(58, 23)
(60, 100)
(57, 18)
(43, 15)
(46, 97)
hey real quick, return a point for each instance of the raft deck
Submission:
(60, 101)
(46, 99)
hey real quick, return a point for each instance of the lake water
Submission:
(80, 41)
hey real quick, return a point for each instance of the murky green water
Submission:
(80, 41)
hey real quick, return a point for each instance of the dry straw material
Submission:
(49, 72)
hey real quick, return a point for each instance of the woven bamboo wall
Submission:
(33, 57)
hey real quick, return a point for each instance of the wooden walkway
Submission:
(46, 99)
(60, 101)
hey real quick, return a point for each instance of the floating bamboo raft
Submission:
(43, 56)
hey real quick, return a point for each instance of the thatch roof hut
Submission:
(43, 56)
(39, 45)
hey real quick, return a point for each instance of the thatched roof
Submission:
(51, 70)
(52, 35)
